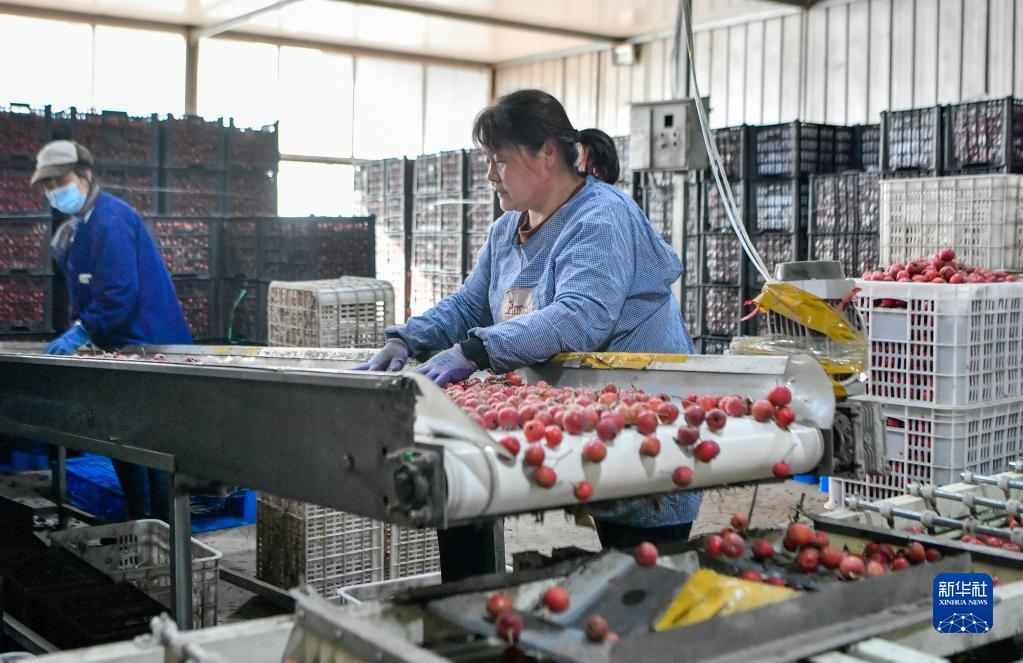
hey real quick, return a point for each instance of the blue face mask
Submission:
(68, 199)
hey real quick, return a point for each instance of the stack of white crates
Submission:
(303, 543)
(946, 361)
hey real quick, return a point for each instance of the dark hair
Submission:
(528, 118)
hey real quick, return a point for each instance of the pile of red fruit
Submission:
(546, 414)
(508, 625)
(942, 268)
(991, 541)
(808, 551)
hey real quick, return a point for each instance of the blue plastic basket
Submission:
(92, 486)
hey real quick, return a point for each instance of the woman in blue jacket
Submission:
(120, 290)
(572, 265)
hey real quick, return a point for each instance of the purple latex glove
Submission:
(448, 366)
(392, 357)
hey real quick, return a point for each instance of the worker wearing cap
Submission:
(572, 265)
(120, 290)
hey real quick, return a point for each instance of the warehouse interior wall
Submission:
(865, 56)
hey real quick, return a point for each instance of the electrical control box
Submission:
(665, 135)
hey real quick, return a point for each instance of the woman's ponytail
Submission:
(601, 159)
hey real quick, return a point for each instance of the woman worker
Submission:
(120, 290)
(572, 265)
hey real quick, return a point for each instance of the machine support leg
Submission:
(181, 554)
(58, 486)
(471, 550)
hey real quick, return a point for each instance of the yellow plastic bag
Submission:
(710, 594)
(618, 359)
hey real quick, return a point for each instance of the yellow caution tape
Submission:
(619, 359)
(710, 594)
(808, 310)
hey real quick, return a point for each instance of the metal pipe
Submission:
(1003, 482)
(931, 493)
(231, 23)
(181, 554)
(930, 520)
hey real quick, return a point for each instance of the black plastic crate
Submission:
(984, 137)
(115, 138)
(198, 299)
(713, 345)
(622, 149)
(139, 187)
(869, 193)
(722, 308)
(190, 246)
(834, 203)
(482, 212)
(694, 201)
(344, 246)
(398, 177)
(452, 172)
(192, 141)
(691, 310)
(242, 306)
(29, 572)
(722, 259)
(427, 174)
(473, 243)
(477, 165)
(23, 130)
(911, 142)
(868, 250)
(733, 148)
(253, 149)
(239, 248)
(286, 249)
(775, 248)
(437, 214)
(26, 303)
(800, 148)
(868, 144)
(25, 245)
(437, 253)
(777, 205)
(715, 218)
(84, 616)
(193, 192)
(251, 192)
(659, 202)
(428, 288)
(391, 257)
(369, 180)
(841, 247)
(691, 263)
(17, 196)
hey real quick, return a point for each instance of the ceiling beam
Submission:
(440, 12)
(803, 4)
(231, 23)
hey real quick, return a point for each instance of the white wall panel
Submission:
(974, 73)
(719, 78)
(1017, 55)
(925, 54)
(736, 107)
(857, 88)
(837, 70)
(879, 87)
(754, 73)
(950, 49)
(903, 28)
(815, 95)
(1000, 47)
(772, 71)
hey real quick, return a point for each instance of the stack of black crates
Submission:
(438, 228)
(26, 271)
(769, 169)
(383, 190)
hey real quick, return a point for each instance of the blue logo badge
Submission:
(963, 603)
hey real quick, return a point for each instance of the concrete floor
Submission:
(775, 504)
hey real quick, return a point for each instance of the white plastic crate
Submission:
(933, 446)
(412, 552)
(350, 312)
(324, 548)
(946, 345)
(977, 215)
(139, 552)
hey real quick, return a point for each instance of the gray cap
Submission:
(59, 157)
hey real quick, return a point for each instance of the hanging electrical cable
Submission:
(684, 37)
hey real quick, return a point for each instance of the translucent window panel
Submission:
(48, 62)
(388, 108)
(305, 189)
(139, 71)
(238, 79)
(454, 96)
(316, 96)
